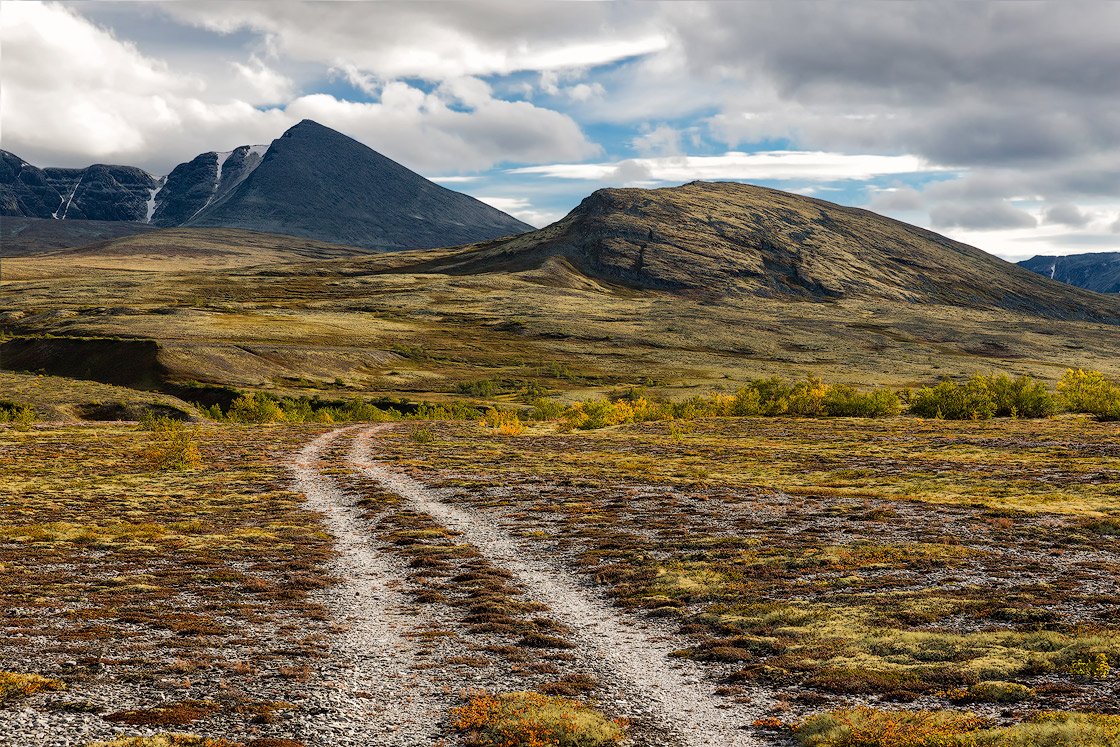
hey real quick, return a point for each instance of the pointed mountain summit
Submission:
(317, 183)
(729, 241)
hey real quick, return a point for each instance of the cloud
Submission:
(522, 209)
(73, 93)
(266, 85)
(1115, 227)
(773, 165)
(981, 216)
(661, 140)
(438, 41)
(422, 131)
(1066, 215)
(897, 199)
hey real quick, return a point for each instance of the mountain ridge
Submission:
(1095, 271)
(732, 240)
(317, 184)
(313, 175)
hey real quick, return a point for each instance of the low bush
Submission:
(991, 691)
(870, 727)
(1091, 666)
(530, 719)
(165, 740)
(256, 408)
(1090, 392)
(762, 397)
(15, 685)
(847, 402)
(952, 401)
(1058, 729)
(172, 445)
(19, 415)
(1021, 397)
(503, 421)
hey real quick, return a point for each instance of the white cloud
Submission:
(73, 93)
(769, 165)
(440, 41)
(662, 140)
(267, 85)
(522, 209)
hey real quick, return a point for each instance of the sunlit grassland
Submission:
(305, 325)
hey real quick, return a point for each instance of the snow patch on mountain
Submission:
(152, 198)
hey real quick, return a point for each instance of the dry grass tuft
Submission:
(15, 685)
(523, 719)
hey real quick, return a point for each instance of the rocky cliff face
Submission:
(1095, 271)
(193, 186)
(98, 192)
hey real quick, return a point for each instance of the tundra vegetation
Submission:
(899, 568)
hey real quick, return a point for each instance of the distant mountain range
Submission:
(1097, 271)
(311, 182)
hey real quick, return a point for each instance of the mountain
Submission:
(318, 183)
(733, 241)
(312, 182)
(98, 192)
(193, 186)
(1096, 271)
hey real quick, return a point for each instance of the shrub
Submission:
(846, 402)
(952, 401)
(173, 445)
(1090, 392)
(1057, 729)
(991, 691)
(15, 685)
(165, 740)
(533, 720)
(480, 388)
(546, 409)
(503, 421)
(20, 416)
(257, 408)
(422, 435)
(870, 727)
(1021, 397)
(1093, 666)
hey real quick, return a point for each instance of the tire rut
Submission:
(372, 697)
(676, 694)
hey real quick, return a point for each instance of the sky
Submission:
(997, 124)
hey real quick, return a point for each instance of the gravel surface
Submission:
(630, 656)
(373, 694)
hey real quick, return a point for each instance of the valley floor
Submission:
(709, 582)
